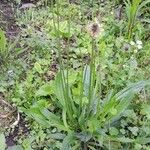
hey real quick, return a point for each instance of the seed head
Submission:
(126, 46)
(94, 29)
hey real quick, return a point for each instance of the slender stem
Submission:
(62, 75)
(70, 102)
(92, 76)
(82, 72)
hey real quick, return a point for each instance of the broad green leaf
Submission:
(132, 89)
(64, 117)
(68, 140)
(105, 110)
(82, 117)
(72, 77)
(123, 140)
(134, 130)
(84, 136)
(35, 113)
(108, 97)
(53, 119)
(49, 115)
(86, 80)
(59, 89)
(45, 90)
(143, 140)
(57, 136)
(122, 100)
(123, 105)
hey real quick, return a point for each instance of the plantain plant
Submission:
(82, 115)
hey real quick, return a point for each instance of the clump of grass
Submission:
(133, 8)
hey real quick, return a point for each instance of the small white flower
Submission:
(132, 43)
(124, 66)
(139, 46)
(135, 51)
(111, 12)
(139, 42)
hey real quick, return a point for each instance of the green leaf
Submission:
(143, 140)
(57, 136)
(122, 105)
(123, 140)
(121, 100)
(86, 80)
(93, 124)
(131, 89)
(45, 90)
(66, 145)
(105, 110)
(53, 119)
(2, 141)
(72, 77)
(113, 131)
(134, 130)
(146, 110)
(35, 113)
(59, 89)
(3, 42)
(113, 111)
(84, 136)
(38, 67)
(144, 3)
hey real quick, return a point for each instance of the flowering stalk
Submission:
(94, 30)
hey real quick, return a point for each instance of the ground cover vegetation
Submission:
(75, 75)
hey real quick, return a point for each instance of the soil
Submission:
(7, 19)
(8, 114)
(18, 132)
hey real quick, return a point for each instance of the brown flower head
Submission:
(94, 29)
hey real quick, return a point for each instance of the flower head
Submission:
(139, 42)
(135, 51)
(139, 46)
(126, 46)
(132, 43)
(94, 29)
